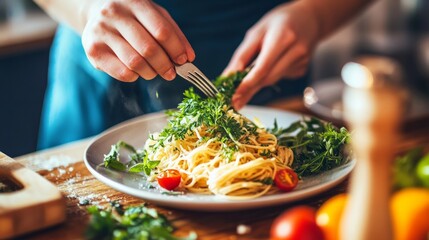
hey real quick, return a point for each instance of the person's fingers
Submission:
(128, 56)
(118, 16)
(275, 44)
(289, 65)
(296, 69)
(292, 64)
(245, 52)
(239, 100)
(103, 58)
(100, 55)
(161, 30)
(146, 46)
(189, 50)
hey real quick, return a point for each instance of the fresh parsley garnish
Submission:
(131, 223)
(317, 146)
(227, 84)
(213, 113)
(139, 160)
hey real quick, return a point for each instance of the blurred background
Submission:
(395, 28)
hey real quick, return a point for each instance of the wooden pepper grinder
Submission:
(372, 109)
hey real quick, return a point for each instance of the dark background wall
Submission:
(25, 37)
(23, 79)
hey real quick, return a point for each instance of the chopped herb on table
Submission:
(137, 222)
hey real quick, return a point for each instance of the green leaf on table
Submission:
(135, 222)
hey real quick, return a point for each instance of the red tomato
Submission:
(286, 179)
(169, 179)
(298, 223)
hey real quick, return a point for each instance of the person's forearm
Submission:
(331, 14)
(72, 13)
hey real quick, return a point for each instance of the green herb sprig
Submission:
(318, 146)
(195, 111)
(227, 84)
(139, 160)
(131, 223)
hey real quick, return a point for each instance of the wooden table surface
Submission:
(64, 167)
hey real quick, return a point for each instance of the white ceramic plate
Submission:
(136, 131)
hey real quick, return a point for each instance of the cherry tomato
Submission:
(298, 223)
(169, 179)
(286, 179)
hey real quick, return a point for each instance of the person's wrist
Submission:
(309, 9)
(313, 23)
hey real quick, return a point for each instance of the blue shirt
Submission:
(81, 101)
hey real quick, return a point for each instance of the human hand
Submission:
(282, 42)
(129, 38)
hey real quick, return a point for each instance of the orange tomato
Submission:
(410, 213)
(328, 216)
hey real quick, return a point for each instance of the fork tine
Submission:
(209, 83)
(202, 82)
(193, 75)
(199, 87)
(197, 82)
(182, 71)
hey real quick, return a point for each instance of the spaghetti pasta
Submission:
(241, 169)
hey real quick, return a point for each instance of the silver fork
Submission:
(192, 74)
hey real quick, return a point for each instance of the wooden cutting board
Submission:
(36, 203)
